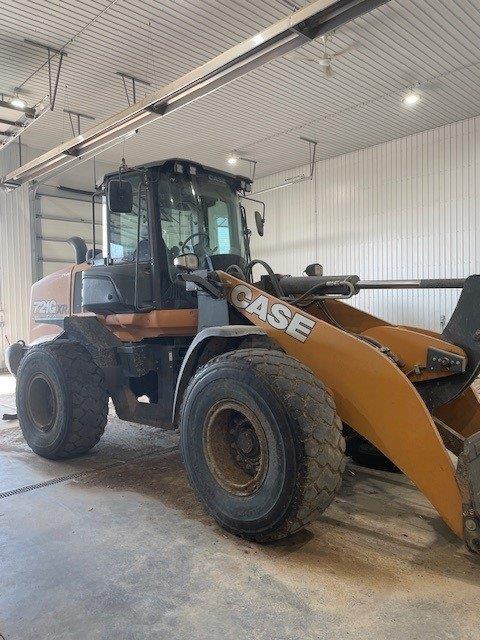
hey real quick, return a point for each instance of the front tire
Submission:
(261, 442)
(62, 402)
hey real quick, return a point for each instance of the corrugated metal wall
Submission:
(404, 209)
(15, 256)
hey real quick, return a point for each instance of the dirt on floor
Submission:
(114, 545)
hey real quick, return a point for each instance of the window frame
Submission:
(142, 184)
(234, 216)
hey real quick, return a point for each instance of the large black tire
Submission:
(261, 442)
(62, 402)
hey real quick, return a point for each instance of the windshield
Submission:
(200, 214)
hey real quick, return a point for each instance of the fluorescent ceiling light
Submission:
(17, 102)
(258, 39)
(411, 98)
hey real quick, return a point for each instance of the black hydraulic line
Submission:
(301, 284)
(234, 269)
(428, 283)
(321, 304)
(273, 276)
(381, 347)
(295, 285)
(80, 248)
(303, 299)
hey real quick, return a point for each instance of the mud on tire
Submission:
(62, 401)
(273, 401)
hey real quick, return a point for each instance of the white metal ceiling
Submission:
(432, 42)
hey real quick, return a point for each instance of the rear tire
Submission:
(62, 402)
(261, 442)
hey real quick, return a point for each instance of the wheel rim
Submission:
(41, 403)
(235, 447)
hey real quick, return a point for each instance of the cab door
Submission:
(121, 281)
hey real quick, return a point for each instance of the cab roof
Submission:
(183, 161)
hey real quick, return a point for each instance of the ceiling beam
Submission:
(12, 123)
(302, 26)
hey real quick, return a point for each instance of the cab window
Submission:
(220, 231)
(199, 214)
(123, 227)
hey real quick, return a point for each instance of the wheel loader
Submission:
(264, 375)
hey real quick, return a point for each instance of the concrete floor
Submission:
(115, 546)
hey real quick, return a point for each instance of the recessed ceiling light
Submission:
(411, 98)
(232, 159)
(17, 102)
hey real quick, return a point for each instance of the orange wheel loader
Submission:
(263, 378)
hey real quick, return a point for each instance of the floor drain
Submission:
(72, 476)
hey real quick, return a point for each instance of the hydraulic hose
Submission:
(234, 269)
(273, 277)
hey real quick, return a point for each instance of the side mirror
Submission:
(260, 222)
(120, 196)
(187, 261)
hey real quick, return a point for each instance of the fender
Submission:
(15, 352)
(221, 340)
(13, 355)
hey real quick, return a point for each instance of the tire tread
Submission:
(88, 398)
(318, 428)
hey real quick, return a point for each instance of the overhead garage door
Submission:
(57, 219)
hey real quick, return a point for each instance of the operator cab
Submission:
(165, 209)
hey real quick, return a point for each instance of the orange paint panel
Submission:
(49, 301)
(408, 343)
(351, 318)
(462, 414)
(168, 322)
(411, 346)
